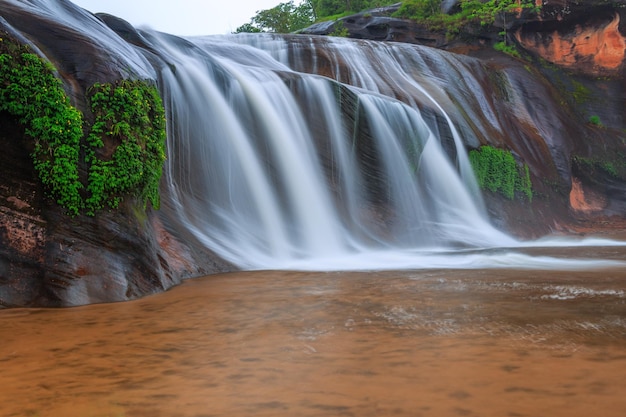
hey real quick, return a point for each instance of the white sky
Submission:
(182, 17)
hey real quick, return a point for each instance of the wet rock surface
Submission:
(574, 70)
(48, 258)
(575, 54)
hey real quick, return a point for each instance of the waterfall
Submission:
(272, 167)
(309, 152)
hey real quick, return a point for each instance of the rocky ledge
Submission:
(51, 259)
(576, 51)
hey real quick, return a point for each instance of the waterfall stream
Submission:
(299, 156)
(273, 167)
(303, 152)
(270, 171)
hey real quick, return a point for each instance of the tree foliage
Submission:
(326, 8)
(284, 18)
(289, 17)
(486, 12)
(480, 12)
(419, 10)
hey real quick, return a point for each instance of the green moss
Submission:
(595, 120)
(507, 49)
(497, 171)
(602, 165)
(129, 118)
(580, 93)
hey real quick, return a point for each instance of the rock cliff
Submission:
(571, 82)
(48, 258)
(575, 53)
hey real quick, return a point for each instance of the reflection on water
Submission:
(402, 343)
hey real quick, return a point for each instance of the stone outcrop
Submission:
(576, 53)
(573, 68)
(48, 258)
(584, 36)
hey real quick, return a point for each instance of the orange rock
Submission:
(585, 201)
(596, 50)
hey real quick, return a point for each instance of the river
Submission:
(491, 342)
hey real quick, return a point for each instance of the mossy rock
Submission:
(129, 119)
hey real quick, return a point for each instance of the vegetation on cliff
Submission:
(131, 114)
(468, 11)
(497, 171)
(288, 17)
(129, 119)
(30, 91)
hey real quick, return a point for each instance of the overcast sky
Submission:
(182, 17)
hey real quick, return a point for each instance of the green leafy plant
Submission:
(419, 10)
(30, 91)
(129, 118)
(340, 30)
(502, 46)
(497, 171)
(124, 151)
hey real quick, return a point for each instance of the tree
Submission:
(420, 9)
(326, 8)
(487, 11)
(284, 18)
(247, 28)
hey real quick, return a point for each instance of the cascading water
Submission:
(264, 169)
(272, 167)
(316, 153)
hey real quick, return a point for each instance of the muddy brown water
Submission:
(399, 343)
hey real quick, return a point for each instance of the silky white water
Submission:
(274, 166)
(268, 169)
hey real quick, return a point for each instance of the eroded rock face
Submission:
(592, 44)
(48, 258)
(378, 24)
(584, 201)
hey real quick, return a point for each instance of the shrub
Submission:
(595, 120)
(340, 30)
(502, 46)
